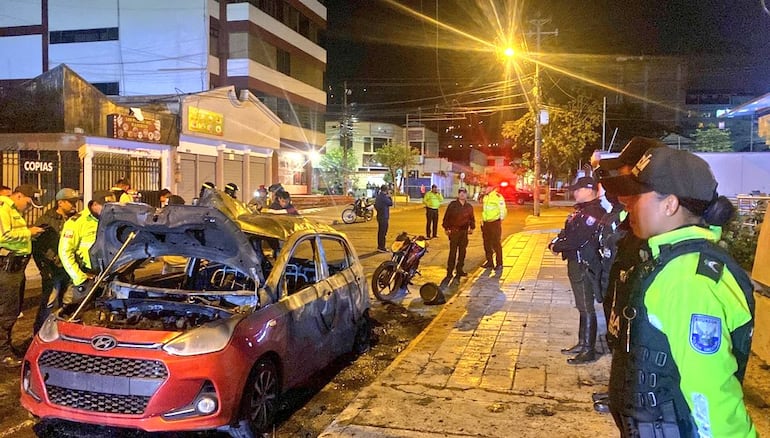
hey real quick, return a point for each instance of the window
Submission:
(336, 255)
(108, 88)
(83, 35)
(283, 62)
(214, 41)
(300, 270)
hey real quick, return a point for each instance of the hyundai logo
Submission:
(103, 342)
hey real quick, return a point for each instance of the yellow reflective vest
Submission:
(433, 200)
(77, 236)
(493, 207)
(14, 234)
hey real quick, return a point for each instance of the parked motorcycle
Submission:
(396, 274)
(362, 208)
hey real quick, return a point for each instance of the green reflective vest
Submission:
(493, 207)
(77, 236)
(14, 234)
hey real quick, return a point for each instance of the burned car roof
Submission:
(212, 230)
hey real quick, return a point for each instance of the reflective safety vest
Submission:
(77, 236)
(493, 207)
(14, 234)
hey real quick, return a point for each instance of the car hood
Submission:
(191, 231)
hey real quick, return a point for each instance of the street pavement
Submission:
(489, 364)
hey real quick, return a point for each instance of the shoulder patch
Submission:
(705, 333)
(590, 221)
(710, 267)
(68, 234)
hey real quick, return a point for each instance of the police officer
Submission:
(78, 235)
(459, 221)
(15, 248)
(571, 242)
(45, 251)
(382, 204)
(432, 201)
(121, 190)
(685, 332)
(493, 212)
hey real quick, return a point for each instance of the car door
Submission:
(340, 287)
(299, 290)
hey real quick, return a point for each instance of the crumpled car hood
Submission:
(186, 230)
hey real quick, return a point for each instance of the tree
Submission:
(336, 167)
(713, 139)
(397, 156)
(571, 135)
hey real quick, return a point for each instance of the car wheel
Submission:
(348, 216)
(261, 396)
(363, 339)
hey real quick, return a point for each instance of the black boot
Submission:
(589, 353)
(580, 346)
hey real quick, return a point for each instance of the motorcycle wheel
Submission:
(369, 215)
(386, 281)
(348, 215)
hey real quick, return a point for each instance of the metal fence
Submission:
(142, 172)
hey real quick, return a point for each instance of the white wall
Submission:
(20, 13)
(739, 172)
(21, 57)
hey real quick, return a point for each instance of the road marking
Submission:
(18, 427)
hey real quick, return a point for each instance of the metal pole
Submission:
(538, 139)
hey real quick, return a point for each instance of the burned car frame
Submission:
(260, 303)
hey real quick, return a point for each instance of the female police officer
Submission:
(686, 330)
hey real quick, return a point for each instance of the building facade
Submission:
(272, 48)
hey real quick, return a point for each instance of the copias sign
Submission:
(37, 166)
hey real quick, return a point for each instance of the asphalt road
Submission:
(16, 422)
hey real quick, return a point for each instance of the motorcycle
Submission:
(396, 274)
(362, 208)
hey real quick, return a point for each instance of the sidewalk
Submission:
(489, 364)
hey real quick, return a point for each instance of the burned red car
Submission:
(259, 304)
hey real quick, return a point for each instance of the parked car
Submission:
(264, 302)
(512, 194)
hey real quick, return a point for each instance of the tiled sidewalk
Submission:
(489, 364)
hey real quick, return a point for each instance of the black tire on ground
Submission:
(261, 396)
(386, 281)
(348, 215)
(363, 339)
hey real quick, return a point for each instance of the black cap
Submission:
(175, 200)
(103, 197)
(31, 192)
(631, 153)
(462, 189)
(666, 171)
(584, 182)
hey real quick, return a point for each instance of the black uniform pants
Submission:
(431, 225)
(10, 282)
(581, 287)
(54, 281)
(458, 243)
(492, 233)
(382, 231)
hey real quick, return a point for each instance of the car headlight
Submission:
(49, 332)
(208, 338)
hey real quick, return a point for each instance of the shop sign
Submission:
(130, 128)
(416, 134)
(37, 166)
(204, 121)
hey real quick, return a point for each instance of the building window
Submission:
(283, 62)
(291, 169)
(214, 41)
(108, 88)
(83, 35)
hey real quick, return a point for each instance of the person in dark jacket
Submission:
(382, 204)
(284, 201)
(458, 222)
(571, 242)
(45, 251)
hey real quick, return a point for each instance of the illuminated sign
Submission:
(130, 128)
(38, 166)
(204, 121)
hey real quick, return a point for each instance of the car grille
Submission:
(107, 366)
(96, 401)
(72, 372)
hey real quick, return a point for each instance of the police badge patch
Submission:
(705, 333)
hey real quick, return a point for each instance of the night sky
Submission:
(391, 61)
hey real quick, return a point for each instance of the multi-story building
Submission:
(272, 48)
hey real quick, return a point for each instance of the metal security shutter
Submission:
(233, 171)
(188, 186)
(257, 175)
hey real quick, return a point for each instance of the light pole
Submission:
(346, 129)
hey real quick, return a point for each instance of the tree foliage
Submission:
(571, 135)
(713, 139)
(335, 167)
(396, 156)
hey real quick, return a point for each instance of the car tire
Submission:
(362, 341)
(348, 215)
(261, 396)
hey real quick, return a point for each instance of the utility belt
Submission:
(667, 426)
(13, 263)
